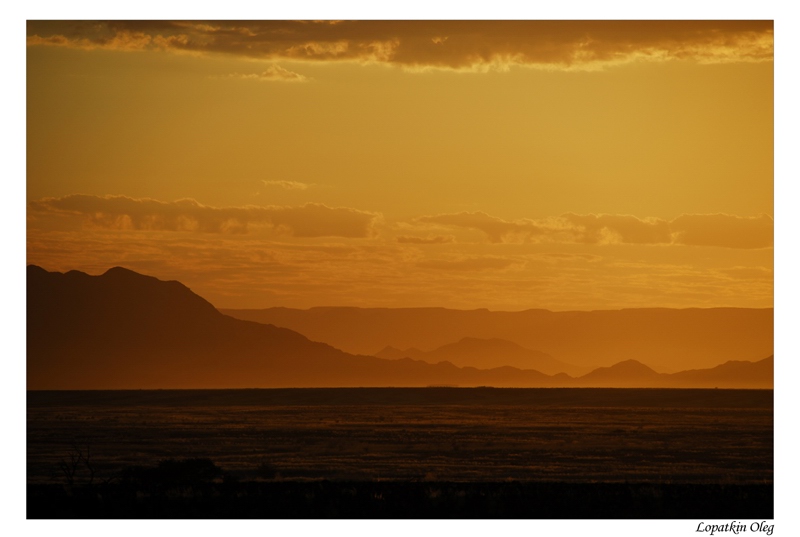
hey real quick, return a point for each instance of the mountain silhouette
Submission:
(391, 353)
(731, 374)
(634, 374)
(486, 354)
(668, 340)
(628, 373)
(124, 330)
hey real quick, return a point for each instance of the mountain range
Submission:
(485, 354)
(123, 330)
(668, 340)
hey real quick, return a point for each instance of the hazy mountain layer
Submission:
(125, 330)
(668, 340)
(486, 354)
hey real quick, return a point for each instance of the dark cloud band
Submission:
(426, 44)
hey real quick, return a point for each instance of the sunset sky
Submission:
(504, 165)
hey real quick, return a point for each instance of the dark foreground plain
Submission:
(403, 453)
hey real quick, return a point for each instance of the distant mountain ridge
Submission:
(669, 340)
(486, 354)
(123, 330)
(634, 374)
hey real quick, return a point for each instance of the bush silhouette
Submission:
(267, 471)
(173, 473)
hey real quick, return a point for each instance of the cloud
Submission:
(471, 263)
(720, 230)
(287, 185)
(253, 271)
(438, 239)
(470, 45)
(610, 228)
(496, 229)
(748, 273)
(555, 256)
(274, 73)
(121, 40)
(723, 230)
(124, 213)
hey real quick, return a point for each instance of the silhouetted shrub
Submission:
(230, 478)
(173, 473)
(266, 471)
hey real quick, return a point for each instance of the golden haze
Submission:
(565, 166)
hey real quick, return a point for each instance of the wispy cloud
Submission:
(748, 273)
(287, 185)
(497, 229)
(721, 230)
(468, 45)
(124, 213)
(438, 239)
(471, 263)
(274, 73)
(568, 257)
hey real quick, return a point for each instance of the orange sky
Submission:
(506, 165)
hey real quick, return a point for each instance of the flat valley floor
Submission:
(405, 453)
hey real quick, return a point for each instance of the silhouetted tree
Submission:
(77, 459)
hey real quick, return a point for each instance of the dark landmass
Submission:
(123, 330)
(403, 500)
(401, 453)
(377, 397)
(446, 434)
(667, 340)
